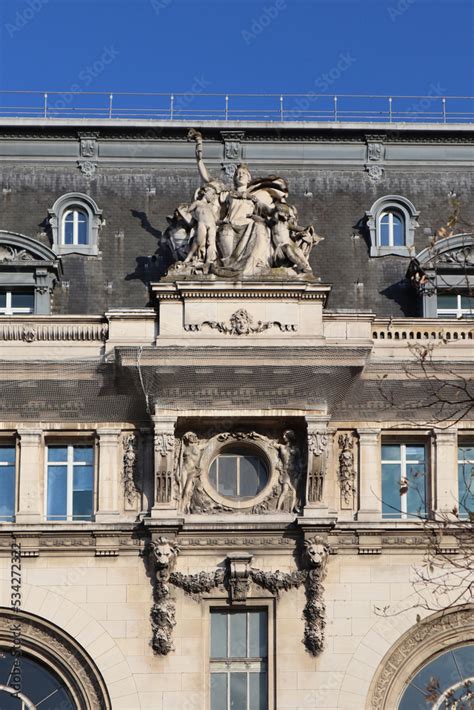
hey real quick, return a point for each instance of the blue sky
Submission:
(338, 46)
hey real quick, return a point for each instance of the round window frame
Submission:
(58, 652)
(241, 446)
(418, 646)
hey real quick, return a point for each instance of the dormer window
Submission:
(392, 229)
(75, 222)
(75, 229)
(392, 221)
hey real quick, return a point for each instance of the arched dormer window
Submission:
(28, 272)
(75, 222)
(392, 221)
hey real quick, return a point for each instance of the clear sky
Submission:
(412, 47)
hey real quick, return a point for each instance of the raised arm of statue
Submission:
(196, 136)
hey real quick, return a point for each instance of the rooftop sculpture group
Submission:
(248, 230)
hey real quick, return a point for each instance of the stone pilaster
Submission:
(446, 471)
(30, 498)
(370, 475)
(109, 474)
(164, 453)
(318, 443)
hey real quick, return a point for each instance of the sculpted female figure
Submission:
(244, 237)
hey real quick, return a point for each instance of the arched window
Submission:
(39, 686)
(392, 229)
(75, 221)
(238, 474)
(75, 228)
(447, 681)
(392, 221)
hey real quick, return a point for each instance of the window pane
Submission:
(415, 453)
(250, 476)
(258, 691)
(391, 490)
(7, 454)
(7, 492)
(23, 299)
(385, 231)
(82, 497)
(219, 634)
(57, 492)
(466, 453)
(467, 302)
(238, 635)
(3, 299)
(416, 496)
(238, 691)
(398, 231)
(228, 475)
(390, 453)
(57, 453)
(219, 691)
(83, 454)
(258, 634)
(466, 488)
(69, 228)
(82, 228)
(447, 300)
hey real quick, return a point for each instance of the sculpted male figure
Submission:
(289, 455)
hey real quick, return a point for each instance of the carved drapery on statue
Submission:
(236, 577)
(244, 230)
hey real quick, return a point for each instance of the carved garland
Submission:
(236, 579)
(130, 446)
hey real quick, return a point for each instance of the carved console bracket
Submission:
(236, 578)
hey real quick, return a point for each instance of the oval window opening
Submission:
(238, 475)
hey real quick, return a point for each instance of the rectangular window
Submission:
(404, 481)
(239, 659)
(70, 482)
(7, 484)
(13, 302)
(455, 305)
(466, 479)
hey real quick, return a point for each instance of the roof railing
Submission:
(195, 106)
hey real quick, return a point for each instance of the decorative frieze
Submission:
(241, 323)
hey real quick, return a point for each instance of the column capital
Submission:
(368, 435)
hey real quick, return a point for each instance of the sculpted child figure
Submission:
(204, 210)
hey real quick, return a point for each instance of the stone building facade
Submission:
(220, 474)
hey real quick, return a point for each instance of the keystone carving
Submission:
(242, 323)
(239, 575)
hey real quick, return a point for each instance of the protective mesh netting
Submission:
(75, 390)
(129, 389)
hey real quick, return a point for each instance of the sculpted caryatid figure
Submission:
(290, 470)
(189, 468)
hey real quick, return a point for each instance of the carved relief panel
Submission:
(239, 470)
